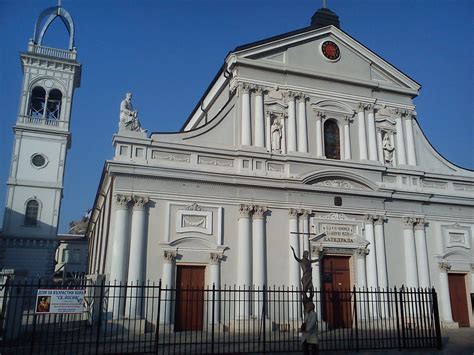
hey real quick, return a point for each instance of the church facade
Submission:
(301, 134)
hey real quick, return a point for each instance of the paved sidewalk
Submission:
(455, 341)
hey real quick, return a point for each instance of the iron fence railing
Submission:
(152, 318)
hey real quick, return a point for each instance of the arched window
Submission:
(37, 102)
(53, 108)
(332, 146)
(31, 213)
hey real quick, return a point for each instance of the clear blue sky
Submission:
(167, 52)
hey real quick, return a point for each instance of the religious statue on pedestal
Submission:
(387, 150)
(276, 135)
(128, 116)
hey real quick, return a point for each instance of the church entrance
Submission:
(189, 298)
(336, 291)
(457, 295)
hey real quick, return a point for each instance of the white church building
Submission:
(299, 134)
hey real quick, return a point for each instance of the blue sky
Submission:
(167, 52)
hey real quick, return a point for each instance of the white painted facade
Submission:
(42, 139)
(227, 193)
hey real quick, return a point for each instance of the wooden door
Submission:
(457, 295)
(336, 287)
(189, 298)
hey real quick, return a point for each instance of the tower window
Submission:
(53, 108)
(31, 214)
(332, 146)
(37, 104)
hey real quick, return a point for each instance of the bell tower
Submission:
(42, 139)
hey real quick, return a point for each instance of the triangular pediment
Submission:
(302, 52)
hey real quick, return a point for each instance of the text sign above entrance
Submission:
(338, 233)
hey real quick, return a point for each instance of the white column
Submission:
(214, 284)
(259, 258)
(371, 262)
(246, 120)
(268, 138)
(371, 265)
(411, 272)
(291, 123)
(244, 259)
(316, 273)
(362, 133)
(259, 118)
(381, 263)
(372, 135)
(421, 253)
(137, 259)
(305, 234)
(410, 139)
(302, 125)
(400, 142)
(347, 139)
(118, 271)
(283, 134)
(293, 266)
(444, 298)
(361, 255)
(319, 134)
(380, 252)
(379, 146)
(395, 153)
(167, 286)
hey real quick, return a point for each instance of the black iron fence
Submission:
(151, 318)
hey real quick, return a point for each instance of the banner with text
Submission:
(50, 301)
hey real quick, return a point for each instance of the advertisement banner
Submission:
(53, 301)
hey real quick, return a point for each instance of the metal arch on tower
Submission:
(51, 13)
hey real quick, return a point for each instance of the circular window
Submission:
(38, 160)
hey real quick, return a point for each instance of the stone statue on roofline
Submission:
(128, 116)
(80, 226)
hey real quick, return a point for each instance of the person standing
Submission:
(310, 331)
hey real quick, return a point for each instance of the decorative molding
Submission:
(368, 218)
(408, 222)
(304, 213)
(420, 223)
(343, 184)
(259, 211)
(379, 220)
(444, 266)
(194, 220)
(276, 167)
(215, 161)
(161, 155)
(140, 202)
(193, 207)
(170, 256)
(335, 216)
(122, 201)
(215, 258)
(245, 210)
(293, 213)
(362, 252)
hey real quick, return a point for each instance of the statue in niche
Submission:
(307, 289)
(128, 116)
(388, 149)
(276, 135)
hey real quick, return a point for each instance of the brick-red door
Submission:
(336, 287)
(189, 298)
(457, 294)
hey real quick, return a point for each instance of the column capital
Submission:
(370, 107)
(304, 213)
(379, 220)
(316, 250)
(293, 213)
(368, 218)
(140, 202)
(408, 222)
(245, 210)
(259, 211)
(245, 88)
(290, 95)
(420, 223)
(362, 252)
(361, 107)
(319, 114)
(302, 97)
(170, 256)
(348, 120)
(259, 90)
(444, 266)
(215, 258)
(122, 201)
